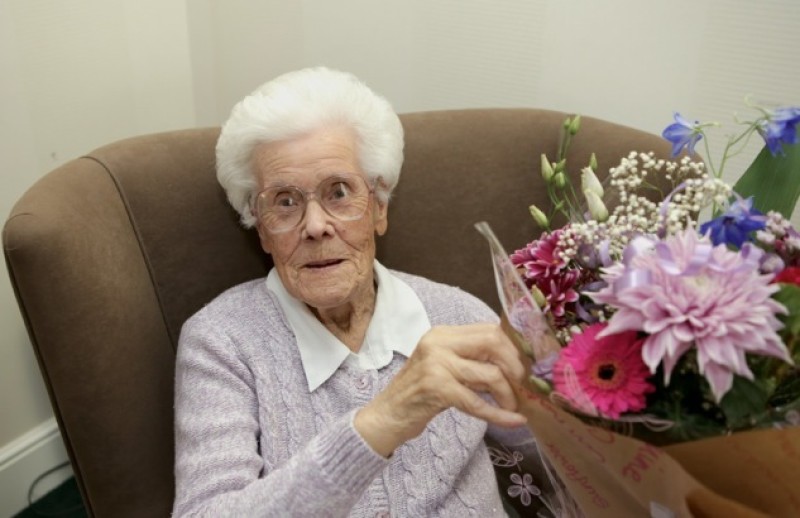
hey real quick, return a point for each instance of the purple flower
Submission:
(700, 297)
(682, 134)
(735, 225)
(544, 368)
(780, 128)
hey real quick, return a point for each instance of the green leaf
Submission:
(743, 401)
(789, 296)
(774, 181)
(788, 391)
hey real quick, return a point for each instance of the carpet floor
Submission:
(62, 502)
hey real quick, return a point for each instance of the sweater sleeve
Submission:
(218, 468)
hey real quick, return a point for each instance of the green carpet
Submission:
(62, 502)
(65, 502)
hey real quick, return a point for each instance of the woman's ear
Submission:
(380, 217)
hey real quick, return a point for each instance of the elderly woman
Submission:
(334, 386)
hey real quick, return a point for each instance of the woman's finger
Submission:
(448, 366)
(485, 377)
(481, 342)
(471, 403)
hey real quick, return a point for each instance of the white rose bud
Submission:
(589, 182)
(539, 217)
(540, 384)
(538, 296)
(596, 207)
(574, 125)
(547, 169)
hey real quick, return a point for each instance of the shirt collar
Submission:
(398, 322)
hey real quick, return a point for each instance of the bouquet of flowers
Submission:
(672, 315)
(692, 325)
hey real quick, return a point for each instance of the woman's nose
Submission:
(316, 222)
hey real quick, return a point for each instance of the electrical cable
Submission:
(31, 503)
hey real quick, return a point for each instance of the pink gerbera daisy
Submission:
(603, 374)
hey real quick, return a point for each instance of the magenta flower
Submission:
(540, 258)
(544, 267)
(684, 292)
(605, 373)
(559, 290)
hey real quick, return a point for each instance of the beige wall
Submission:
(82, 73)
(74, 76)
(628, 61)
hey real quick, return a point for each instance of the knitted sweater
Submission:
(251, 440)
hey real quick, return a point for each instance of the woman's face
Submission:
(324, 262)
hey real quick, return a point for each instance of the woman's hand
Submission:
(449, 366)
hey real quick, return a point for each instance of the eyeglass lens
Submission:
(344, 197)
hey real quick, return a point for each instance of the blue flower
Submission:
(780, 128)
(682, 133)
(734, 226)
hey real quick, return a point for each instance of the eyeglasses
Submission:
(283, 207)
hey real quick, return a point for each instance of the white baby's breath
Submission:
(693, 190)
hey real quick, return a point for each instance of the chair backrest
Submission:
(110, 253)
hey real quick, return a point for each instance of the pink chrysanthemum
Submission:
(685, 292)
(544, 267)
(604, 374)
(559, 290)
(540, 258)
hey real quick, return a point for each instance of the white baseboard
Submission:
(24, 459)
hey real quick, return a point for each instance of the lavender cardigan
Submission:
(252, 441)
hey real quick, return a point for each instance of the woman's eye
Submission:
(284, 200)
(339, 190)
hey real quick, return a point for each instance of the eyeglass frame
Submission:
(308, 196)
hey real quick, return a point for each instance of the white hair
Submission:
(295, 104)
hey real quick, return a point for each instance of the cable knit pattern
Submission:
(252, 441)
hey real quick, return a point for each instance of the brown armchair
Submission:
(111, 252)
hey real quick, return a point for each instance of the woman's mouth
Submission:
(327, 263)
